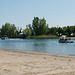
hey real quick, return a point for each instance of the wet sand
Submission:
(35, 63)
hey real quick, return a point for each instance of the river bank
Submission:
(43, 37)
(46, 37)
(35, 63)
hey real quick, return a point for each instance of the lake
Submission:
(40, 45)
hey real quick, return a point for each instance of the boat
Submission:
(63, 39)
(4, 37)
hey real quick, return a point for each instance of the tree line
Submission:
(38, 27)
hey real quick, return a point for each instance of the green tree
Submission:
(68, 31)
(53, 30)
(27, 31)
(72, 29)
(39, 26)
(35, 25)
(59, 30)
(64, 30)
(9, 30)
(13, 31)
(5, 30)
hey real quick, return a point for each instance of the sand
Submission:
(35, 63)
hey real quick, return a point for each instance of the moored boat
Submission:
(64, 40)
(4, 37)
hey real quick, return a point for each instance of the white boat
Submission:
(4, 37)
(64, 40)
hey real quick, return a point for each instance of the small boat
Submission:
(4, 37)
(64, 40)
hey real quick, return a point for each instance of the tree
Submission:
(68, 31)
(13, 31)
(59, 30)
(27, 32)
(64, 30)
(53, 30)
(39, 26)
(5, 30)
(30, 27)
(43, 27)
(72, 29)
(9, 30)
(35, 25)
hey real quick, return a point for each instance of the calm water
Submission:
(41, 45)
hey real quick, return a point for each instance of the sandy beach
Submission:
(35, 63)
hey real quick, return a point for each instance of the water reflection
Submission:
(40, 47)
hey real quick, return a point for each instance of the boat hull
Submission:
(65, 41)
(4, 38)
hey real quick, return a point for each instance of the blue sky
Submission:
(22, 12)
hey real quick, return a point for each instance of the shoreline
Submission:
(13, 62)
(16, 50)
(36, 52)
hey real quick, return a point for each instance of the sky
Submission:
(21, 12)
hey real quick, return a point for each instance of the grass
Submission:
(46, 37)
(43, 37)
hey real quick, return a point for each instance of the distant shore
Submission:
(35, 63)
(46, 37)
(43, 37)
